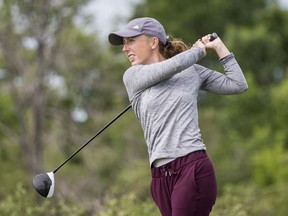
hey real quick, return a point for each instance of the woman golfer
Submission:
(163, 84)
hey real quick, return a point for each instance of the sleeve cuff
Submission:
(227, 58)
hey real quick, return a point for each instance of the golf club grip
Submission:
(213, 36)
(100, 131)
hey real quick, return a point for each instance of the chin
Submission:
(134, 63)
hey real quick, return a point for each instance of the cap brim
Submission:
(116, 38)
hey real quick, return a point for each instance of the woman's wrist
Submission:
(222, 51)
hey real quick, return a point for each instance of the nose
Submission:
(125, 47)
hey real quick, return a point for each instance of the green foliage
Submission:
(128, 205)
(270, 165)
(247, 200)
(6, 110)
(20, 203)
(279, 106)
(262, 64)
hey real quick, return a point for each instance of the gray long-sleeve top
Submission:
(164, 99)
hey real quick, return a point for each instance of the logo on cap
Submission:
(136, 27)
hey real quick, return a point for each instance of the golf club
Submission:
(44, 183)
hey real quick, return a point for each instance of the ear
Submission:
(154, 42)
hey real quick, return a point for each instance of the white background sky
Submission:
(109, 14)
(284, 3)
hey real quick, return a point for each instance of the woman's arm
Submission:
(231, 82)
(140, 77)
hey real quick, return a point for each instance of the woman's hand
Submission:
(200, 44)
(216, 45)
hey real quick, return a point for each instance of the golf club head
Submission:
(44, 184)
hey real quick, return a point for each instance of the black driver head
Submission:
(44, 184)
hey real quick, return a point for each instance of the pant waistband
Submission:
(171, 167)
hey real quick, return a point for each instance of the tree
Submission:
(191, 19)
(36, 37)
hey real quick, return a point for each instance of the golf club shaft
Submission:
(99, 132)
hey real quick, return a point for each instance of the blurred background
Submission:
(60, 82)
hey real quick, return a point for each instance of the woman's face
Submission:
(139, 49)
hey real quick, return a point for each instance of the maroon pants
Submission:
(185, 186)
